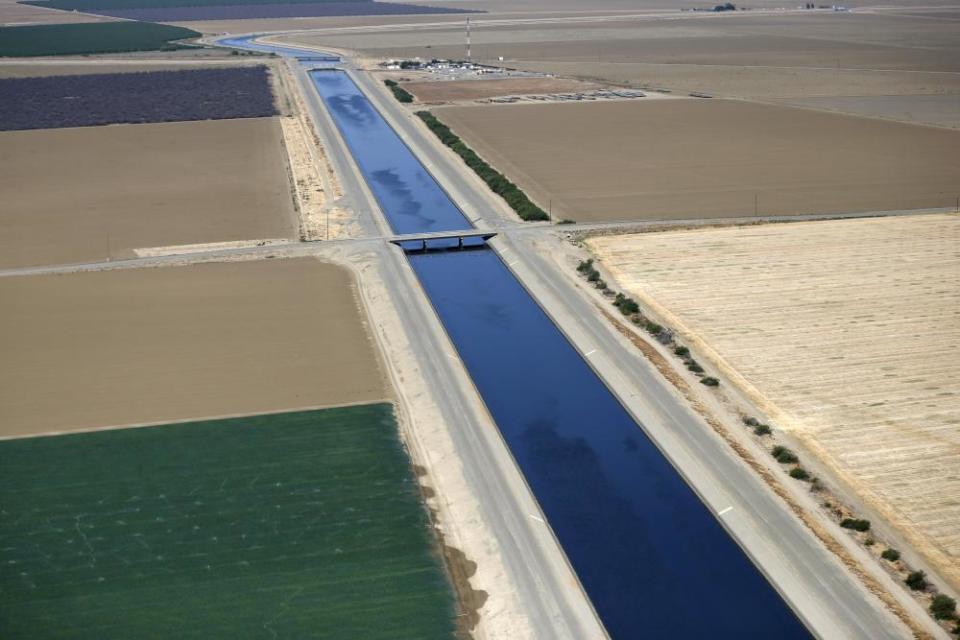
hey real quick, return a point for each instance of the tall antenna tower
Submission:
(468, 41)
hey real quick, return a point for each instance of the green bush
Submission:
(857, 524)
(497, 182)
(593, 277)
(653, 328)
(710, 382)
(761, 430)
(869, 542)
(399, 92)
(585, 266)
(695, 367)
(681, 351)
(799, 473)
(890, 554)
(783, 455)
(943, 607)
(917, 580)
(626, 305)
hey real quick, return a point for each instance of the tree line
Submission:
(497, 182)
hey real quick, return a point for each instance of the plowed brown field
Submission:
(97, 349)
(696, 158)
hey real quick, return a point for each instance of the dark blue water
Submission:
(651, 556)
(654, 561)
(410, 198)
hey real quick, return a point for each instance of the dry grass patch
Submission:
(691, 158)
(845, 332)
(93, 349)
(86, 194)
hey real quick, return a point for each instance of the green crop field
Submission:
(295, 525)
(73, 39)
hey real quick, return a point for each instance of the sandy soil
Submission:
(841, 330)
(316, 186)
(709, 158)
(86, 194)
(465, 90)
(89, 350)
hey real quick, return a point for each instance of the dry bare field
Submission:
(692, 158)
(936, 110)
(95, 349)
(766, 83)
(465, 90)
(880, 52)
(86, 194)
(825, 40)
(845, 332)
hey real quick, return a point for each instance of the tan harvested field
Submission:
(465, 90)
(96, 349)
(677, 159)
(846, 332)
(86, 194)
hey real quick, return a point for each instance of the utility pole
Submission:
(469, 57)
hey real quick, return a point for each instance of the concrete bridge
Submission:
(441, 240)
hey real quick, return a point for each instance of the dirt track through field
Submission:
(90, 350)
(86, 194)
(845, 332)
(709, 158)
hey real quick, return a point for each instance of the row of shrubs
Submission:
(694, 366)
(399, 92)
(629, 307)
(942, 606)
(497, 182)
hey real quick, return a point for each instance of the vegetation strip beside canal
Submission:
(497, 182)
